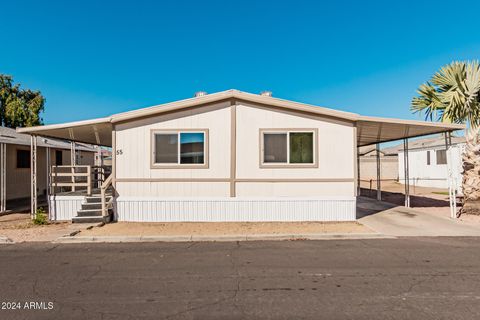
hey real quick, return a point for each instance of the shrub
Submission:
(41, 217)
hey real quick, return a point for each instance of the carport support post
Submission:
(358, 173)
(379, 186)
(49, 175)
(33, 170)
(72, 153)
(3, 177)
(448, 140)
(406, 172)
(72, 163)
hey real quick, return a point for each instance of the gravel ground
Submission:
(19, 228)
(223, 228)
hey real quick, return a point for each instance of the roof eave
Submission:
(65, 125)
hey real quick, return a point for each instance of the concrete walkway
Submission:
(398, 221)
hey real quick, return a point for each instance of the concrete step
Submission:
(92, 205)
(94, 199)
(89, 213)
(92, 219)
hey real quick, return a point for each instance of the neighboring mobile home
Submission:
(231, 156)
(16, 172)
(428, 162)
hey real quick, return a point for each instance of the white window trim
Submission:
(178, 165)
(287, 164)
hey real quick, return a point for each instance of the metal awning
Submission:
(372, 130)
(96, 131)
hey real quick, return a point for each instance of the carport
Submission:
(373, 131)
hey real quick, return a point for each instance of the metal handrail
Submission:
(106, 205)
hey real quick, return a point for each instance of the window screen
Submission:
(166, 148)
(301, 147)
(441, 157)
(275, 148)
(192, 146)
(23, 159)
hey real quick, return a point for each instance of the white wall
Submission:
(133, 140)
(143, 196)
(335, 143)
(433, 175)
(336, 157)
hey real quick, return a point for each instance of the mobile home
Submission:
(428, 162)
(231, 156)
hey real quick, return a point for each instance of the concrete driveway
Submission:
(393, 220)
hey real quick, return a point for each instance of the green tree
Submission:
(19, 107)
(453, 95)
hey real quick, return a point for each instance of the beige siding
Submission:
(293, 189)
(133, 142)
(335, 152)
(336, 160)
(86, 158)
(18, 179)
(174, 189)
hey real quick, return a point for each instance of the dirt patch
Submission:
(19, 228)
(420, 197)
(223, 228)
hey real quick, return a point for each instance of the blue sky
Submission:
(95, 58)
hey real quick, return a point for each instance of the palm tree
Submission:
(453, 96)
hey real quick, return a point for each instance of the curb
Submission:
(220, 238)
(5, 240)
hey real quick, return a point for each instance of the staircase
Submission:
(91, 211)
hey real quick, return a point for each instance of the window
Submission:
(441, 157)
(23, 159)
(58, 157)
(291, 148)
(428, 158)
(179, 148)
(275, 147)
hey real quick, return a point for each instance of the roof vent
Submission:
(266, 93)
(200, 94)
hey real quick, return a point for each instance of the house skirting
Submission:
(152, 209)
(64, 207)
(146, 209)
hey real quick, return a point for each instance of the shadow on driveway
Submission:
(393, 220)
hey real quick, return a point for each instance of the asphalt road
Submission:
(414, 278)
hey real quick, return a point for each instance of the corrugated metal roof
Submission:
(11, 136)
(370, 130)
